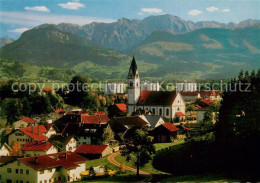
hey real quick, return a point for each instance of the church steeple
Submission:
(133, 89)
(133, 72)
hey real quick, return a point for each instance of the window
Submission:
(27, 181)
(9, 170)
(167, 112)
(17, 181)
(160, 111)
(21, 181)
(178, 109)
(17, 171)
(57, 169)
(27, 172)
(21, 171)
(131, 83)
(18, 163)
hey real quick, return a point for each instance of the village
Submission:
(60, 148)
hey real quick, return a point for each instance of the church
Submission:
(168, 104)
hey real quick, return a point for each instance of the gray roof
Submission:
(152, 119)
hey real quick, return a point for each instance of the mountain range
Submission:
(125, 34)
(165, 47)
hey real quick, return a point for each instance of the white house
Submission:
(24, 122)
(31, 134)
(38, 148)
(70, 143)
(64, 167)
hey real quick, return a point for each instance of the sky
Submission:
(17, 16)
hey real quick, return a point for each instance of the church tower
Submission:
(133, 89)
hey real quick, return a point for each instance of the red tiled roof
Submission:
(180, 114)
(208, 102)
(68, 161)
(47, 89)
(122, 107)
(94, 119)
(35, 146)
(186, 128)
(90, 149)
(157, 98)
(58, 111)
(28, 120)
(170, 127)
(35, 132)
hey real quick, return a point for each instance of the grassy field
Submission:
(149, 167)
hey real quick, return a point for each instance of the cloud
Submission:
(211, 9)
(140, 13)
(151, 10)
(225, 10)
(75, 5)
(31, 19)
(20, 30)
(194, 12)
(37, 8)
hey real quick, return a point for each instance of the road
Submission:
(112, 160)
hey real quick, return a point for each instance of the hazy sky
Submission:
(19, 15)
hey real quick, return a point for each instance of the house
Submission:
(153, 120)
(5, 149)
(69, 143)
(210, 95)
(94, 119)
(93, 151)
(203, 107)
(63, 167)
(28, 134)
(95, 134)
(117, 110)
(24, 122)
(122, 127)
(180, 116)
(166, 132)
(38, 148)
(163, 103)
